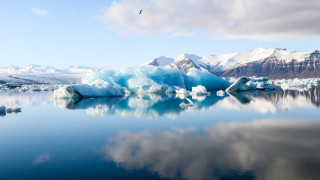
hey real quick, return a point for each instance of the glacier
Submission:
(143, 79)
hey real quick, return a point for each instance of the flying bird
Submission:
(140, 11)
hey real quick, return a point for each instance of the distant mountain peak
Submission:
(281, 49)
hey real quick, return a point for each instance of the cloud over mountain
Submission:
(228, 19)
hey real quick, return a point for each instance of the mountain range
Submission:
(273, 63)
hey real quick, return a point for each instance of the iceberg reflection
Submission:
(271, 102)
(264, 149)
(147, 106)
(27, 98)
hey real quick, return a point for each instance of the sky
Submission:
(112, 34)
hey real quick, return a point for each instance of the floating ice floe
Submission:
(199, 91)
(144, 79)
(220, 93)
(29, 88)
(296, 84)
(247, 83)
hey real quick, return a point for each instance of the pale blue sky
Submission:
(70, 32)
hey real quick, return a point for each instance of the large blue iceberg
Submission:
(142, 79)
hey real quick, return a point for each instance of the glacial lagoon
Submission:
(251, 135)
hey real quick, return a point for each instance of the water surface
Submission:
(252, 135)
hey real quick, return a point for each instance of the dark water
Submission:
(253, 135)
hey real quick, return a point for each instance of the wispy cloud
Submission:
(228, 19)
(39, 11)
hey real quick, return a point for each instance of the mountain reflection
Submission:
(265, 149)
(151, 106)
(271, 102)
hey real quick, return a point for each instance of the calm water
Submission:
(255, 135)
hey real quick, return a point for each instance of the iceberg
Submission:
(182, 91)
(142, 80)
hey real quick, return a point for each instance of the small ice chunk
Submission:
(199, 91)
(181, 96)
(239, 85)
(182, 91)
(220, 93)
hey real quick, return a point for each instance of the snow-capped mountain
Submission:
(184, 62)
(274, 63)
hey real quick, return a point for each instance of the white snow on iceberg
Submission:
(142, 79)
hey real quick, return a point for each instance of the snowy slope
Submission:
(193, 57)
(228, 61)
